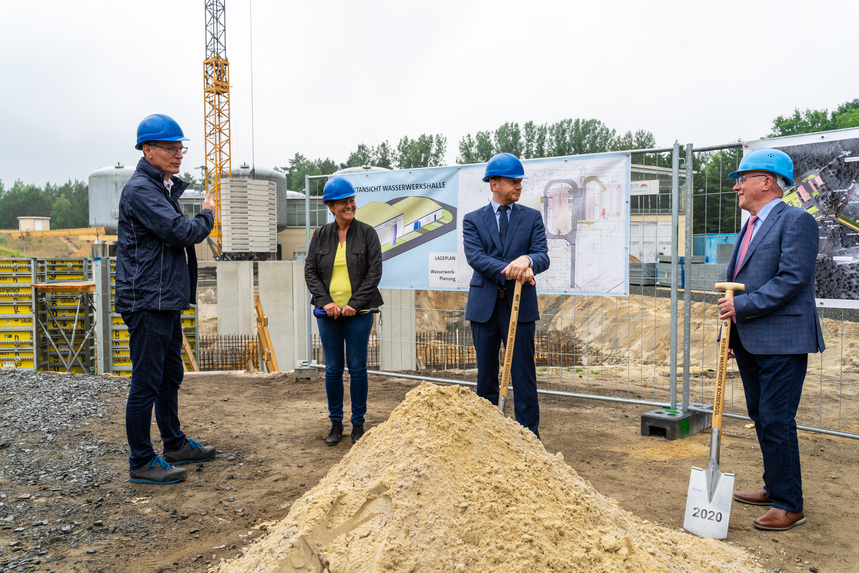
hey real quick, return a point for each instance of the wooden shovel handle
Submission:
(722, 368)
(511, 339)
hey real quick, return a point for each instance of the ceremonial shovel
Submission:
(508, 348)
(708, 502)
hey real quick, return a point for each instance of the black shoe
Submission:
(157, 471)
(335, 434)
(191, 452)
(357, 432)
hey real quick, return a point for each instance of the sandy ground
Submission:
(270, 432)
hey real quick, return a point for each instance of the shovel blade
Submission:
(708, 516)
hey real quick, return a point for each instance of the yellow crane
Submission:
(216, 95)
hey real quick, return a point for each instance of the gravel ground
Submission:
(50, 495)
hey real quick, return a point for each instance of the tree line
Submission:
(68, 204)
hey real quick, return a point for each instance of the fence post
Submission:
(101, 276)
(687, 284)
(675, 224)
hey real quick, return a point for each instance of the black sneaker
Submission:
(357, 432)
(335, 434)
(192, 452)
(157, 471)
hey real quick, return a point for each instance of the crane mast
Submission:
(216, 92)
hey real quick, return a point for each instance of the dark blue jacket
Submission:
(482, 242)
(777, 314)
(152, 272)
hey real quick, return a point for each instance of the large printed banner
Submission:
(584, 201)
(826, 169)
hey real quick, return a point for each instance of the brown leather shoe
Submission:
(753, 497)
(779, 520)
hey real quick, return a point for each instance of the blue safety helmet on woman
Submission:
(158, 127)
(766, 159)
(504, 165)
(337, 188)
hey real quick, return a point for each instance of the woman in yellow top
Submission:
(342, 272)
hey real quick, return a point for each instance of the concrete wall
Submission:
(285, 301)
(236, 314)
(397, 334)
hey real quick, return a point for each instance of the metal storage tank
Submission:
(246, 172)
(105, 187)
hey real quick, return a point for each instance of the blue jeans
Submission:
(156, 373)
(773, 386)
(353, 333)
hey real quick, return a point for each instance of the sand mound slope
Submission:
(447, 484)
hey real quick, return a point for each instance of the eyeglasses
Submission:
(171, 150)
(743, 178)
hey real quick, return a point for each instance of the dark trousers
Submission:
(487, 338)
(156, 374)
(773, 386)
(349, 333)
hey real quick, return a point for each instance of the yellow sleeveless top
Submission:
(340, 288)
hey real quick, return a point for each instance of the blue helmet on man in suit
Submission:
(337, 188)
(504, 165)
(766, 159)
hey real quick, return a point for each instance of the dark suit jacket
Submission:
(526, 235)
(776, 314)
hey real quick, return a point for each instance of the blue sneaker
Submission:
(157, 471)
(192, 452)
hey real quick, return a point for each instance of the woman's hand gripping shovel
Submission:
(708, 502)
(508, 348)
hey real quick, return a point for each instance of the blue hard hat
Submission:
(337, 188)
(158, 127)
(504, 165)
(766, 159)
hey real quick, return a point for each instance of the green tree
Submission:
(802, 122)
(508, 139)
(193, 182)
(714, 202)
(809, 121)
(360, 157)
(21, 201)
(299, 166)
(424, 151)
(537, 141)
(61, 214)
(383, 155)
(326, 166)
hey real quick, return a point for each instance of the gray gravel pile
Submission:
(54, 470)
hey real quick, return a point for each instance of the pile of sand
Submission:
(447, 484)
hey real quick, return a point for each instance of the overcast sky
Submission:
(78, 76)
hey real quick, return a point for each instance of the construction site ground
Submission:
(270, 429)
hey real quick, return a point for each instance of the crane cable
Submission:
(253, 157)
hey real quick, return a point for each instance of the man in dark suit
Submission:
(775, 325)
(505, 242)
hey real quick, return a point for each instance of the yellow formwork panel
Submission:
(22, 321)
(15, 309)
(11, 364)
(61, 368)
(23, 335)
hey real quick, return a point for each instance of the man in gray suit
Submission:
(775, 325)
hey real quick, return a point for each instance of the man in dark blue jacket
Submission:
(505, 242)
(156, 279)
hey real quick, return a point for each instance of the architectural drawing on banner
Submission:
(806, 194)
(407, 222)
(826, 172)
(584, 203)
